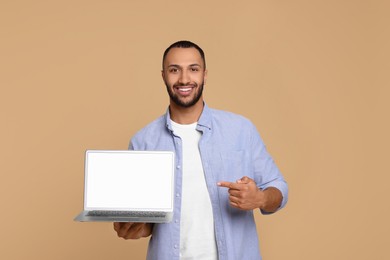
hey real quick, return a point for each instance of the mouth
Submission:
(184, 90)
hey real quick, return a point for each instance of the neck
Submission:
(186, 115)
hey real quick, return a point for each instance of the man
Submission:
(223, 171)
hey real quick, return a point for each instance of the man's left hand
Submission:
(244, 193)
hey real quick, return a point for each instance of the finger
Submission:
(235, 204)
(135, 232)
(230, 185)
(124, 229)
(244, 180)
(235, 193)
(225, 184)
(117, 226)
(234, 199)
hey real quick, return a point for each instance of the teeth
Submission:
(185, 89)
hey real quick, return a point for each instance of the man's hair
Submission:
(185, 44)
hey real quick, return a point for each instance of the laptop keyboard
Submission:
(109, 213)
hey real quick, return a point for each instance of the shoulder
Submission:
(234, 130)
(229, 118)
(148, 134)
(155, 125)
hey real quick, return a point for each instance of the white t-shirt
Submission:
(197, 237)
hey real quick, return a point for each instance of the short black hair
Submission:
(184, 44)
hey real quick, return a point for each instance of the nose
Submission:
(184, 78)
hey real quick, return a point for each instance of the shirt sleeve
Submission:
(266, 171)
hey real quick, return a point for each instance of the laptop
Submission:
(128, 186)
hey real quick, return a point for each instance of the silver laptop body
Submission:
(128, 186)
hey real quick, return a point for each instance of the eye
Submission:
(194, 69)
(173, 70)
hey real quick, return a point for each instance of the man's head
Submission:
(184, 73)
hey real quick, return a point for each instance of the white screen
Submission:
(129, 180)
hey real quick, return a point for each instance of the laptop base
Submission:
(84, 217)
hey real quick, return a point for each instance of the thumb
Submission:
(244, 180)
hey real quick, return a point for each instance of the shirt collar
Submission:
(205, 117)
(204, 120)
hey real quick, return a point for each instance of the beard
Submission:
(176, 99)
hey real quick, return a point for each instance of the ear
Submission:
(162, 74)
(205, 77)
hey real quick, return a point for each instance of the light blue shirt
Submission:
(230, 148)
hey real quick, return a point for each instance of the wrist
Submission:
(262, 199)
(272, 199)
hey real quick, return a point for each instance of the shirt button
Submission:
(176, 221)
(177, 195)
(178, 167)
(175, 246)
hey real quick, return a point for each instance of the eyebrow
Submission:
(178, 66)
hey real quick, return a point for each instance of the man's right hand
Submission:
(132, 230)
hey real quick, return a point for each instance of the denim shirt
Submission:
(230, 148)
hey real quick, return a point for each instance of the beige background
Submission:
(312, 75)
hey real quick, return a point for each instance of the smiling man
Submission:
(223, 171)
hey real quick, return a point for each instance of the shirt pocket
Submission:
(234, 165)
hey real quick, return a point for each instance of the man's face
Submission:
(184, 76)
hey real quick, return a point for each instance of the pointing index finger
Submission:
(230, 185)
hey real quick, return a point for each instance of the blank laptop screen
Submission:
(120, 180)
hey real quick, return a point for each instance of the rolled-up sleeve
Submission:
(266, 172)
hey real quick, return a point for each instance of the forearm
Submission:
(272, 200)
